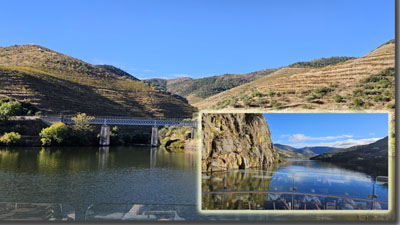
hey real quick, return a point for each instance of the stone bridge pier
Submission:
(154, 136)
(105, 135)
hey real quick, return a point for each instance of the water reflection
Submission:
(85, 176)
(299, 183)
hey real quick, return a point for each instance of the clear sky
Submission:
(340, 130)
(170, 38)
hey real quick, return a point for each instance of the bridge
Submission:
(105, 121)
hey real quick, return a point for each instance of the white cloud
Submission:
(302, 137)
(339, 144)
(372, 133)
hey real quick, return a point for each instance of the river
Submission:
(308, 180)
(85, 178)
(128, 183)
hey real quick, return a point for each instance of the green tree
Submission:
(10, 138)
(56, 132)
(11, 108)
(82, 122)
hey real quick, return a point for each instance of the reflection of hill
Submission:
(74, 159)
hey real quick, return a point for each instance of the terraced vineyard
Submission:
(313, 87)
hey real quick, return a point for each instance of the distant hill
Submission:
(352, 83)
(369, 157)
(285, 147)
(288, 154)
(56, 83)
(308, 151)
(198, 89)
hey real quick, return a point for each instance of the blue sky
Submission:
(340, 130)
(170, 38)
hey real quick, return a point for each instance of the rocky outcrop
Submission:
(236, 141)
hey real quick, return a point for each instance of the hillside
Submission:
(56, 83)
(198, 89)
(366, 82)
(288, 154)
(374, 155)
(308, 151)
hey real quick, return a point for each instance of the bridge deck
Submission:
(108, 120)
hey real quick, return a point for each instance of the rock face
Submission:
(236, 141)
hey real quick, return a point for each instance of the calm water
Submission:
(83, 177)
(101, 183)
(299, 176)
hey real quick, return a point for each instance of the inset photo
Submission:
(294, 161)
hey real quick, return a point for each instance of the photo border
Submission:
(388, 213)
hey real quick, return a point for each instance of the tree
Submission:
(10, 138)
(11, 108)
(82, 122)
(56, 132)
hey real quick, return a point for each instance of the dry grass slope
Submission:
(295, 87)
(57, 83)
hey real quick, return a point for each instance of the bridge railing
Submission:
(114, 120)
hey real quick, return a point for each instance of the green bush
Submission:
(114, 136)
(311, 97)
(357, 102)
(338, 98)
(358, 92)
(81, 122)
(277, 105)
(246, 101)
(271, 92)
(391, 106)
(56, 132)
(378, 98)
(10, 138)
(11, 108)
(322, 91)
(261, 101)
(177, 145)
(255, 93)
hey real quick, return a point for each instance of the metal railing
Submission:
(114, 120)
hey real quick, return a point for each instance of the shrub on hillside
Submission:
(55, 133)
(10, 138)
(11, 108)
(311, 97)
(322, 91)
(338, 98)
(391, 106)
(357, 102)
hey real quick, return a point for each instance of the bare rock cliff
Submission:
(236, 141)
